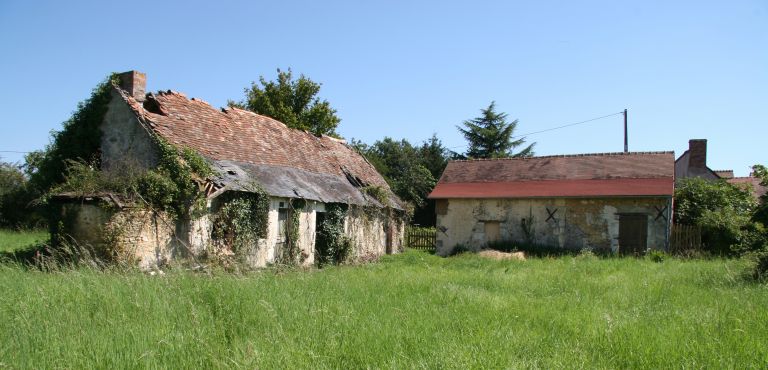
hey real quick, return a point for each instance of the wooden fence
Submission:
(420, 238)
(685, 238)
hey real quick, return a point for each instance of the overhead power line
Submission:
(555, 128)
(460, 146)
(568, 125)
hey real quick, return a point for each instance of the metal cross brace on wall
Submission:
(551, 214)
(660, 213)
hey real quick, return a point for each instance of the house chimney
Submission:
(134, 83)
(697, 149)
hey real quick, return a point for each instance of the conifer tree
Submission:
(490, 136)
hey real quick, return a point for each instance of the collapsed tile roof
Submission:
(582, 175)
(246, 147)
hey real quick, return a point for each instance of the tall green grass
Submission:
(12, 241)
(410, 310)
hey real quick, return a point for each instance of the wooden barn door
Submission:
(633, 233)
(492, 232)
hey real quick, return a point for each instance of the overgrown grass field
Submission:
(410, 310)
(11, 241)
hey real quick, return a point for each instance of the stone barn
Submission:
(620, 202)
(311, 189)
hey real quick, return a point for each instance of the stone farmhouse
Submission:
(303, 175)
(620, 202)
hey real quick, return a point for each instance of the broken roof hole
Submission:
(354, 180)
(151, 105)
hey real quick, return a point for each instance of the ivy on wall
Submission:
(241, 220)
(331, 245)
(379, 193)
(292, 251)
(78, 140)
(172, 187)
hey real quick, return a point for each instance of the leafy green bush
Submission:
(695, 196)
(722, 210)
(760, 271)
(172, 186)
(459, 249)
(16, 198)
(78, 140)
(761, 214)
(722, 229)
(656, 255)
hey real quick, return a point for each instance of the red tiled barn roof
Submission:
(585, 175)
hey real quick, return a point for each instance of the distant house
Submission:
(693, 163)
(612, 201)
(750, 182)
(246, 151)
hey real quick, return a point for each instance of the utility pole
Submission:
(626, 141)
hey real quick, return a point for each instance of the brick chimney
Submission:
(134, 83)
(697, 149)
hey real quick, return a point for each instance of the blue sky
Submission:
(684, 69)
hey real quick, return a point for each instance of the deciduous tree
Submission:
(293, 102)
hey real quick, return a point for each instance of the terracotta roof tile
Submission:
(601, 174)
(757, 189)
(236, 135)
(724, 174)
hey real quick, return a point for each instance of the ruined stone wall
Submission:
(131, 235)
(574, 223)
(150, 239)
(367, 229)
(307, 231)
(83, 223)
(124, 141)
(199, 233)
(268, 249)
(146, 236)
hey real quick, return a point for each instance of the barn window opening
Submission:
(282, 222)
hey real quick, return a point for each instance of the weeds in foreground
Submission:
(410, 310)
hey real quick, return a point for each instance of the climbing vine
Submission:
(241, 220)
(79, 139)
(174, 185)
(331, 245)
(379, 193)
(292, 252)
(529, 229)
